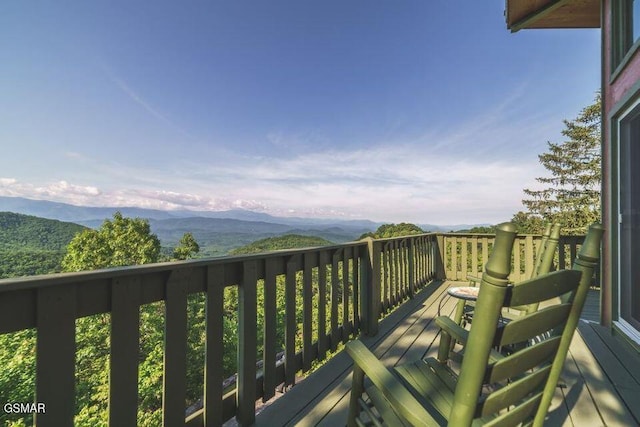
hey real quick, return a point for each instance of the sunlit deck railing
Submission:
(353, 285)
(466, 254)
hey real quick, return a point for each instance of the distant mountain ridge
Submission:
(86, 214)
(216, 232)
(93, 216)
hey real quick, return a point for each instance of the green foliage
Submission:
(20, 262)
(17, 376)
(287, 241)
(30, 232)
(528, 224)
(394, 230)
(187, 247)
(118, 242)
(30, 245)
(491, 229)
(572, 195)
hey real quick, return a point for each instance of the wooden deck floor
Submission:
(588, 396)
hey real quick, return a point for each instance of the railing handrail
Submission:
(12, 283)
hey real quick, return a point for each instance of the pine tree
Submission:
(572, 197)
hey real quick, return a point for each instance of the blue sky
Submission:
(421, 111)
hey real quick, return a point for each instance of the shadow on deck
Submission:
(595, 389)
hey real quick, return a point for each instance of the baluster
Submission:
(334, 300)
(346, 324)
(386, 282)
(355, 294)
(247, 344)
(175, 349)
(55, 355)
(213, 372)
(307, 309)
(270, 326)
(125, 336)
(322, 305)
(464, 249)
(290, 321)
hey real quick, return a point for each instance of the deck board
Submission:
(623, 382)
(577, 403)
(589, 396)
(323, 388)
(414, 341)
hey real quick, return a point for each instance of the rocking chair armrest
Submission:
(460, 335)
(456, 331)
(474, 279)
(400, 398)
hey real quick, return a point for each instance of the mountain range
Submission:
(217, 232)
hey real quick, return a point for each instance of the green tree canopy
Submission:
(187, 247)
(528, 224)
(286, 241)
(394, 230)
(118, 242)
(572, 195)
(480, 229)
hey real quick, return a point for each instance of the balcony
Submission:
(387, 291)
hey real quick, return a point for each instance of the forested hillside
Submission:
(287, 241)
(220, 236)
(31, 245)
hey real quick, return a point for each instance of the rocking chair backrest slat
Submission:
(536, 324)
(518, 415)
(528, 358)
(514, 393)
(542, 288)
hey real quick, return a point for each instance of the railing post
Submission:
(411, 267)
(125, 337)
(174, 384)
(440, 254)
(55, 355)
(247, 344)
(370, 289)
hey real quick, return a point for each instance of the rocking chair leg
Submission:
(357, 388)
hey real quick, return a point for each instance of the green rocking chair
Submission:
(505, 391)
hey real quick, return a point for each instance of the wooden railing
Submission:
(466, 254)
(352, 285)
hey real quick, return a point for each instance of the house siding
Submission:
(617, 85)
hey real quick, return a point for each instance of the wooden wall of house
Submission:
(613, 91)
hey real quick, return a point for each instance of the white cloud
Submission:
(6, 182)
(382, 183)
(392, 183)
(59, 191)
(436, 178)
